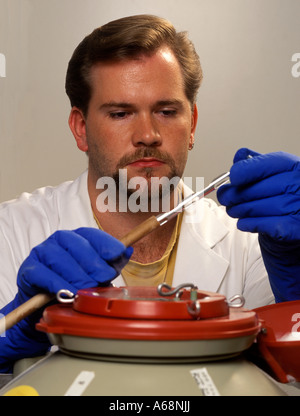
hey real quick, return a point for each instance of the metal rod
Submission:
(220, 180)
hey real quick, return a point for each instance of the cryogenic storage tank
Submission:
(139, 341)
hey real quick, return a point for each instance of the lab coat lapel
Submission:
(197, 261)
(77, 211)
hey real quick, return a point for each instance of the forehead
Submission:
(157, 72)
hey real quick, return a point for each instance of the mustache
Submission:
(142, 153)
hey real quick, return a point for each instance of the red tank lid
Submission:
(144, 313)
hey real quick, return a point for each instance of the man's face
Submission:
(139, 118)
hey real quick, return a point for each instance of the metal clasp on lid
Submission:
(236, 301)
(193, 308)
(177, 290)
(65, 296)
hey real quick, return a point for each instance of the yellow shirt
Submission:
(152, 274)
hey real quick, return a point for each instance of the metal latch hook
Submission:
(177, 290)
(236, 301)
(65, 296)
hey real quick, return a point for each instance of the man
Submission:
(132, 85)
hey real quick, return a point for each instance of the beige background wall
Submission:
(250, 95)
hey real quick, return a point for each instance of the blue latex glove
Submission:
(282, 261)
(264, 194)
(69, 260)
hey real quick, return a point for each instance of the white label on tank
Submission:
(80, 383)
(205, 382)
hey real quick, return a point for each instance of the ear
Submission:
(193, 125)
(78, 127)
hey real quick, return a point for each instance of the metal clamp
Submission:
(240, 301)
(194, 309)
(65, 296)
(177, 290)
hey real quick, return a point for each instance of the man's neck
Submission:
(151, 247)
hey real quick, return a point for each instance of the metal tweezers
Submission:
(215, 184)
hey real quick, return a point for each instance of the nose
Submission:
(146, 131)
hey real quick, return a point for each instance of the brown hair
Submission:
(127, 38)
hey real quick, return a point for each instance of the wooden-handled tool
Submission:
(153, 222)
(40, 300)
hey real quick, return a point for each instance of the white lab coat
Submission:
(212, 253)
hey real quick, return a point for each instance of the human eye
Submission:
(169, 108)
(118, 115)
(168, 112)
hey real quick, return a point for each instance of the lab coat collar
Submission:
(196, 260)
(78, 211)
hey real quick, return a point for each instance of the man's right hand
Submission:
(71, 260)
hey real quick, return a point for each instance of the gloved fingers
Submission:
(34, 277)
(283, 183)
(84, 256)
(64, 259)
(72, 260)
(262, 166)
(281, 228)
(108, 247)
(119, 263)
(57, 258)
(267, 207)
(244, 153)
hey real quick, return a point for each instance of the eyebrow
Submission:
(115, 104)
(161, 103)
(175, 102)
